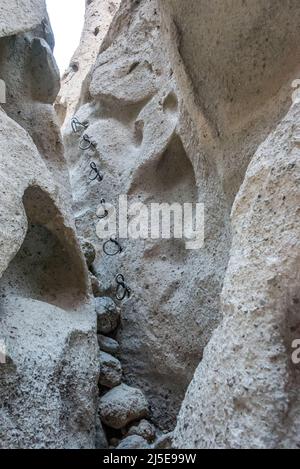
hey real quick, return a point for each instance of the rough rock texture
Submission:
(177, 111)
(18, 16)
(147, 149)
(88, 251)
(48, 384)
(110, 370)
(144, 429)
(164, 441)
(247, 378)
(122, 405)
(108, 315)
(109, 345)
(99, 14)
(133, 442)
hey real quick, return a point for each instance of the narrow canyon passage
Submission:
(149, 264)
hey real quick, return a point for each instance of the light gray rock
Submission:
(48, 387)
(245, 391)
(109, 345)
(110, 371)
(122, 405)
(177, 118)
(98, 16)
(144, 429)
(18, 16)
(133, 442)
(108, 315)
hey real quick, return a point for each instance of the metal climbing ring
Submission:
(86, 139)
(118, 249)
(97, 174)
(122, 287)
(77, 125)
(105, 214)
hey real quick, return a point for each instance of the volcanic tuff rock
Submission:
(122, 405)
(108, 315)
(133, 442)
(48, 385)
(183, 106)
(109, 345)
(247, 377)
(178, 122)
(98, 16)
(110, 370)
(144, 429)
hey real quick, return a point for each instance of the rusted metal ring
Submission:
(118, 249)
(97, 175)
(77, 125)
(86, 139)
(122, 289)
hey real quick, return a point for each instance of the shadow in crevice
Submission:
(167, 178)
(45, 268)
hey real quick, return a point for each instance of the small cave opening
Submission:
(44, 268)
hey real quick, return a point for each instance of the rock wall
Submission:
(48, 385)
(179, 105)
(147, 147)
(176, 106)
(98, 16)
(244, 393)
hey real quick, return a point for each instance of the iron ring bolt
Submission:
(105, 212)
(95, 173)
(86, 143)
(118, 249)
(77, 125)
(122, 289)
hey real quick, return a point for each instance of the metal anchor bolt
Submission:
(122, 289)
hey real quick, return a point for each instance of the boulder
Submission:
(134, 442)
(110, 371)
(108, 345)
(108, 315)
(122, 405)
(144, 429)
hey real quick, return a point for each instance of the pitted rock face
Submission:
(19, 16)
(110, 371)
(247, 377)
(48, 385)
(172, 125)
(108, 315)
(98, 17)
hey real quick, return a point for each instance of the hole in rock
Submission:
(44, 268)
(170, 103)
(133, 67)
(167, 178)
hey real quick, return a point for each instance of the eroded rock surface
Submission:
(98, 16)
(247, 378)
(110, 370)
(177, 123)
(48, 385)
(122, 405)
